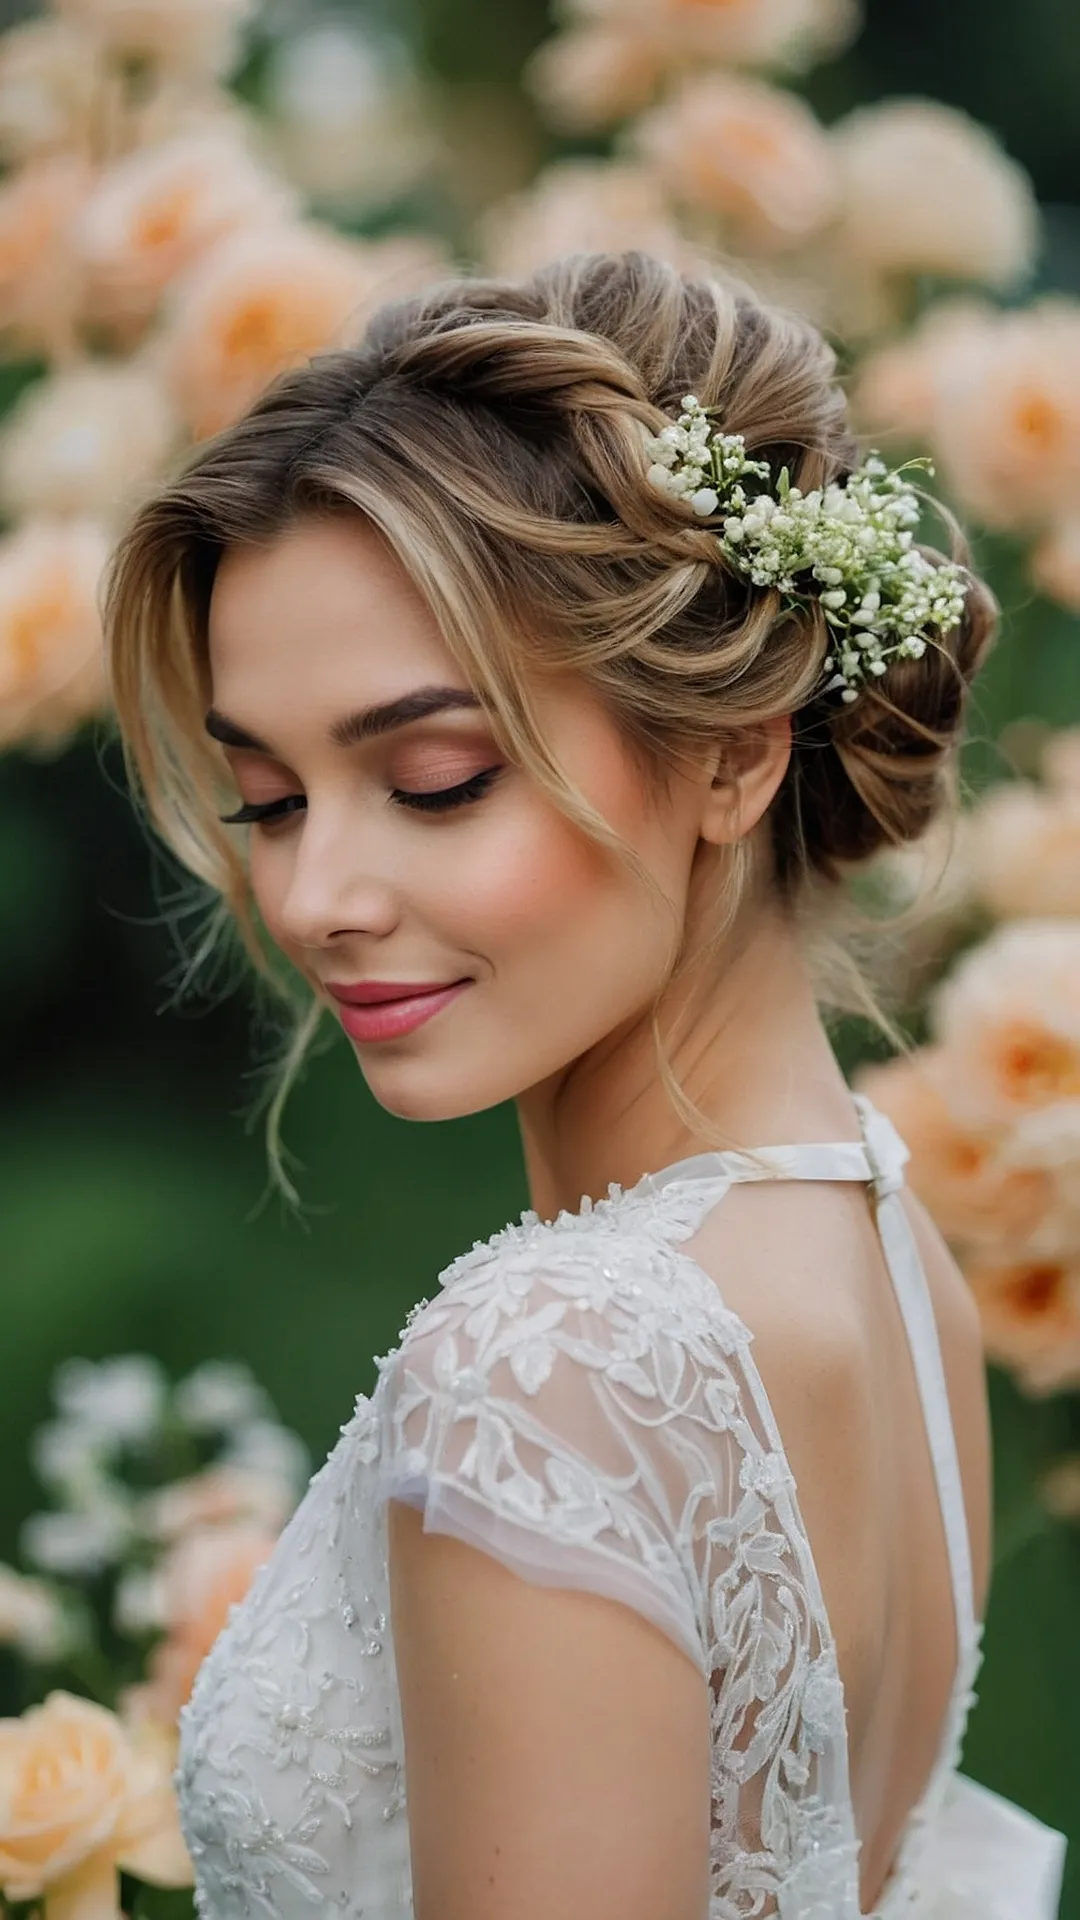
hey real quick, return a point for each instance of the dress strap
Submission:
(877, 1161)
(916, 1306)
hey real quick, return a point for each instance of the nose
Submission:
(333, 890)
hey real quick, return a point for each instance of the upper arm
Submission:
(556, 1745)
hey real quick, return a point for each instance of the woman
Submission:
(563, 659)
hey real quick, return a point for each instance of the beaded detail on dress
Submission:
(576, 1399)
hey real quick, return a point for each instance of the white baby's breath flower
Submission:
(71, 1458)
(218, 1395)
(32, 1618)
(265, 1447)
(74, 1545)
(139, 1602)
(123, 1398)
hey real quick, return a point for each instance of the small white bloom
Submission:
(219, 1395)
(139, 1602)
(75, 1544)
(122, 1398)
(266, 1447)
(705, 501)
(32, 1618)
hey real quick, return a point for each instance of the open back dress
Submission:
(578, 1401)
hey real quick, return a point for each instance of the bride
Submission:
(550, 658)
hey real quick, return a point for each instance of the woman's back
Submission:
(802, 1264)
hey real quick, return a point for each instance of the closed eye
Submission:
(440, 800)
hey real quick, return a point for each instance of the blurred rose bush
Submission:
(164, 1502)
(157, 259)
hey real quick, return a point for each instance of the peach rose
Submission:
(261, 302)
(1045, 1146)
(80, 1796)
(1030, 1310)
(1008, 1023)
(51, 667)
(925, 189)
(203, 1576)
(1055, 563)
(581, 206)
(50, 78)
(1060, 761)
(752, 153)
(1060, 1488)
(732, 33)
(957, 1171)
(1007, 427)
(85, 440)
(199, 37)
(897, 386)
(1024, 846)
(158, 210)
(41, 283)
(594, 76)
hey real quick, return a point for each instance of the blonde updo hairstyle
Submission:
(493, 432)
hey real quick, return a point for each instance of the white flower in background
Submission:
(926, 189)
(750, 153)
(122, 1398)
(197, 37)
(218, 1395)
(1007, 417)
(52, 673)
(77, 1545)
(86, 440)
(580, 206)
(50, 77)
(346, 116)
(32, 1619)
(266, 1448)
(72, 1459)
(139, 1604)
(160, 209)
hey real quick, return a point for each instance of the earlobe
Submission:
(747, 778)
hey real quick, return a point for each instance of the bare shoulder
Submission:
(517, 1719)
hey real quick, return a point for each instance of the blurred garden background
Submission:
(197, 191)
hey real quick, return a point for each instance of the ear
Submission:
(746, 779)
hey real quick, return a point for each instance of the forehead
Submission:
(324, 610)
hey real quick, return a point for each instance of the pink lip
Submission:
(384, 1010)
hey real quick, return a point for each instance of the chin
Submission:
(415, 1094)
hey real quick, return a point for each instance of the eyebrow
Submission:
(367, 724)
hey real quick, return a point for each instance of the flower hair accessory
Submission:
(851, 544)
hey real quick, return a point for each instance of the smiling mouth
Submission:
(387, 1011)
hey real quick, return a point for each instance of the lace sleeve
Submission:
(541, 1408)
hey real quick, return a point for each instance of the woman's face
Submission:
(472, 941)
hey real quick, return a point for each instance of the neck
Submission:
(749, 1051)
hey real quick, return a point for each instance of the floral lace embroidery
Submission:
(578, 1399)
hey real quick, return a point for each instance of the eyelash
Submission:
(443, 800)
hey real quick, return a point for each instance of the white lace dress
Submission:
(578, 1401)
